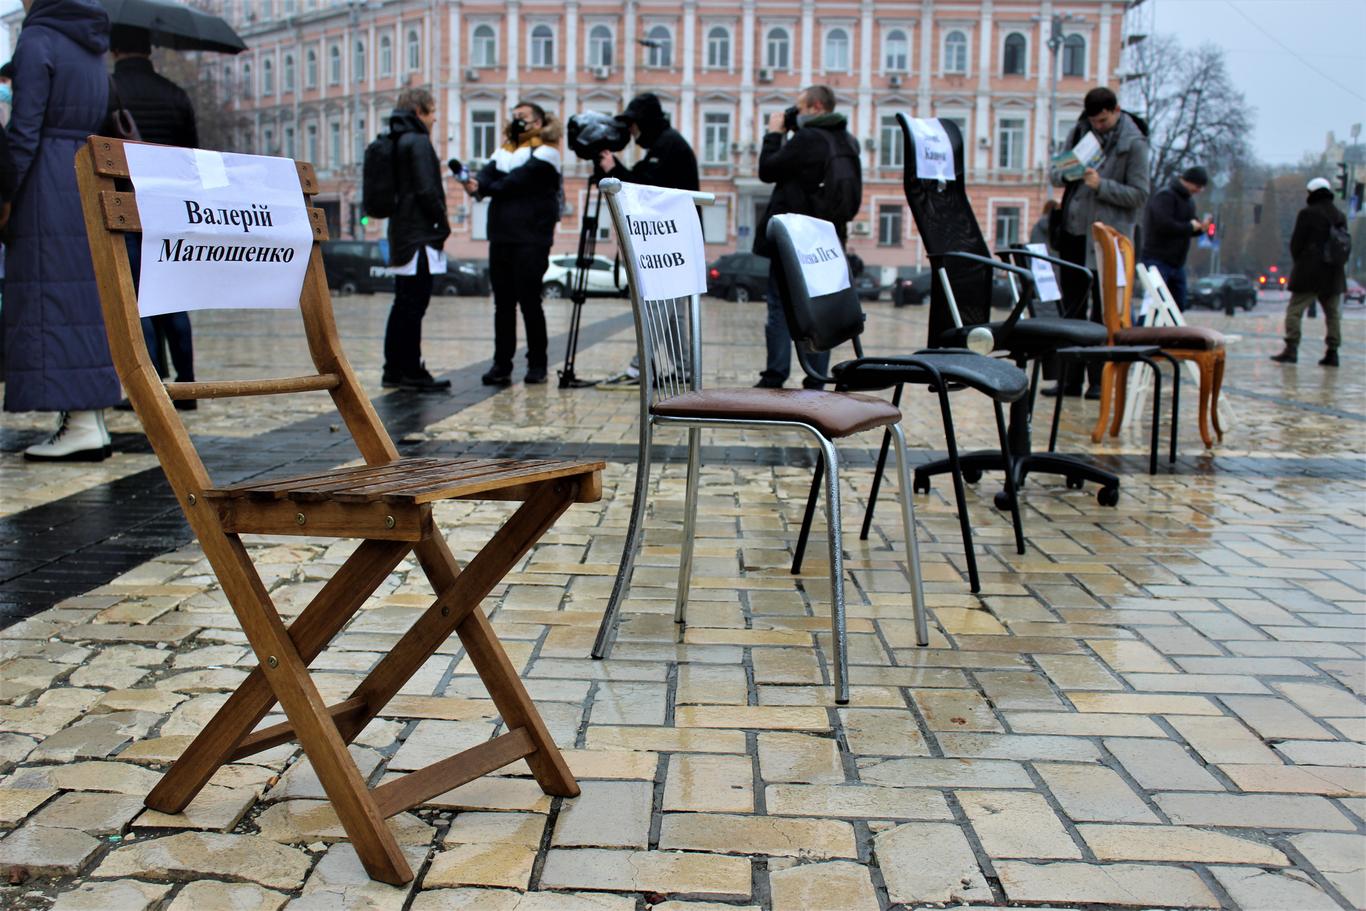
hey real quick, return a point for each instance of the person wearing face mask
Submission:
(522, 183)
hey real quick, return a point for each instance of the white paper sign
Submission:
(1045, 282)
(933, 150)
(824, 265)
(1121, 267)
(219, 230)
(666, 239)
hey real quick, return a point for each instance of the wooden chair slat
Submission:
(227, 389)
(282, 486)
(462, 768)
(349, 484)
(421, 480)
(509, 478)
(111, 161)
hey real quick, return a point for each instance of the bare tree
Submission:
(1194, 112)
(198, 73)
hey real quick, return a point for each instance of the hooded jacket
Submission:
(1124, 182)
(522, 182)
(1167, 229)
(56, 351)
(669, 161)
(419, 218)
(160, 108)
(1310, 272)
(796, 166)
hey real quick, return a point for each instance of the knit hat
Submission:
(1319, 183)
(1196, 175)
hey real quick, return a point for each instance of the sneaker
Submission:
(809, 383)
(535, 376)
(421, 380)
(80, 437)
(390, 380)
(1288, 355)
(624, 382)
(768, 382)
(497, 377)
(1330, 358)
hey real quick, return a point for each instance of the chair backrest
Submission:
(668, 332)
(110, 214)
(944, 218)
(817, 323)
(1161, 308)
(1115, 258)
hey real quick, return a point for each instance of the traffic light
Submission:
(1342, 179)
(1209, 230)
(364, 221)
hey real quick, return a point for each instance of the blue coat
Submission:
(56, 350)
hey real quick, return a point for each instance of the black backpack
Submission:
(379, 186)
(1337, 249)
(840, 192)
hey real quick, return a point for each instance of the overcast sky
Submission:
(1271, 46)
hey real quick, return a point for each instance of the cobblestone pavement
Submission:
(1158, 705)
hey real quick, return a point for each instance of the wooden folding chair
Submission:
(387, 503)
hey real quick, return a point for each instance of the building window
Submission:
(1010, 143)
(268, 141)
(889, 226)
(716, 138)
(1074, 56)
(247, 88)
(267, 77)
(542, 46)
(483, 135)
(414, 49)
(359, 153)
(1013, 59)
(359, 66)
(836, 51)
(227, 82)
(334, 65)
(955, 52)
(896, 52)
(890, 141)
(600, 46)
(290, 148)
(718, 49)
(287, 75)
(334, 146)
(311, 69)
(660, 51)
(777, 49)
(484, 48)
(1007, 226)
(313, 144)
(386, 56)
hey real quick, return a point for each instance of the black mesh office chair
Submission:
(960, 301)
(825, 322)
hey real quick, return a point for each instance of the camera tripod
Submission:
(578, 286)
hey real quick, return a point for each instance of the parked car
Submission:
(463, 278)
(603, 279)
(912, 287)
(739, 277)
(867, 285)
(1273, 279)
(1355, 293)
(1223, 292)
(357, 266)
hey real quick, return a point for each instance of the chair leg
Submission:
(809, 515)
(634, 533)
(685, 552)
(838, 628)
(1107, 385)
(1206, 385)
(922, 631)
(877, 474)
(1011, 489)
(1057, 402)
(1176, 401)
(956, 472)
(1219, 362)
(1157, 415)
(1121, 394)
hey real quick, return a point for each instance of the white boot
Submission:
(80, 437)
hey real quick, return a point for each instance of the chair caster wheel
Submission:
(1107, 496)
(1002, 501)
(920, 484)
(971, 475)
(1074, 483)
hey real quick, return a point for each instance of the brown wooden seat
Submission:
(386, 502)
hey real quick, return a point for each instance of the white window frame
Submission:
(358, 63)
(412, 49)
(358, 150)
(709, 143)
(334, 63)
(725, 41)
(385, 69)
(290, 142)
(1024, 55)
(592, 42)
(480, 60)
(660, 58)
(826, 65)
(944, 69)
(288, 77)
(314, 144)
(889, 140)
(268, 141)
(1085, 58)
(532, 40)
(476, 154)
(900, 240)
(964, 119)
(786, 65)
(267, 77)
(1023, 144)
(994, 208)
(334, 144)
(311, 67)
(248, 86)
(887, 65)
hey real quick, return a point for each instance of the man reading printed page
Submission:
(1074, 162)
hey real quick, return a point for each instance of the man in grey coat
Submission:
(1113, 192)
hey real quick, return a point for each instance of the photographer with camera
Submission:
(816, 172)
(669, 162)
(523, 182)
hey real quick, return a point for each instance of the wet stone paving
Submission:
(1157, 705)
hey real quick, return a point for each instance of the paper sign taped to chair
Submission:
(666, 240)
(1045, 282)
(824, 265)
(219, 230)
(933, 150)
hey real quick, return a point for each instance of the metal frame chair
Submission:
(671, 397)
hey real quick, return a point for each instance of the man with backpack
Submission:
(816, 172)
(1320, 246)
(402, 183)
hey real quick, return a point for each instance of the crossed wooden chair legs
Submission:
(324, 731)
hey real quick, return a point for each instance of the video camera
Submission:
(591, 133)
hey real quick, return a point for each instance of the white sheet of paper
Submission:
(1087, 150)
(933, 150)
(1045, 281)
(666, 238)
(219, 230)
(824, 265)
(1121, 268)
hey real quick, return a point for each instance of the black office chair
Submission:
(825, 322)
(960, 301)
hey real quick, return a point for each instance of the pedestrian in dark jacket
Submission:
(1169, 223)
(796, 166)
(163, 114)
(1314, 277)
(56, 350)
(418, 229)
(522, 183)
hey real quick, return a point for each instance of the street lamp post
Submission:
(1056, 40)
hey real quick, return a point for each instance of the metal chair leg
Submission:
(877, 474)
(1157, 415)
(956, 470)
(634, 533)
(799, 552)
(1176, 400)
(689, 522)
(1011, 491)
(840, 641)
(1057, 404)
(922, 631)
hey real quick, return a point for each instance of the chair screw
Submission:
(389, 522)
(445, 611)
(193, 499)
(272, 661)
(299, 519)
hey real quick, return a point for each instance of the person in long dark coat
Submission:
(56, 351)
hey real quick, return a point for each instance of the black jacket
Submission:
(669, 162)
(1167, 228)
(796, 167)
(1310, 272)
(160, 108)
(419, 218)
(523, 185)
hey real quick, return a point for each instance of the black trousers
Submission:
(403, 333)
(1078, 301)
(515, 271)
(164, 331)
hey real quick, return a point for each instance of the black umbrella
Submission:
(176, 26)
